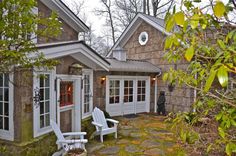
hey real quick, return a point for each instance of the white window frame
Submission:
(4, 134)
(141, 42)
(90, 73)
(36, 110)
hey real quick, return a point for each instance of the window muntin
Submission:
(128, 90)
(44, 108)
(4, 102)
(87, 93)
(66, 93)
(114, 91)
(141, 90)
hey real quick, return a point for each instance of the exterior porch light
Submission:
(75, 69)
(103, 78)
(153, 79)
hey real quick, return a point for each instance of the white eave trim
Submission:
(70, 49)
(66, 15)
(132, 27)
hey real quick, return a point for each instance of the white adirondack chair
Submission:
(65, 143)
(100, 122)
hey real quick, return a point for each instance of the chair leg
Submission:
(101, 137)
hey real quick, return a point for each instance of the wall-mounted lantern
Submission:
(75, 69)
(103, 78)
(153, 79)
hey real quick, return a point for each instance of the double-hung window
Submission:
(87, 105)
(44, 108)
(6, 107)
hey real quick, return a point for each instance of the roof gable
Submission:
(66, 14)
(157, 23)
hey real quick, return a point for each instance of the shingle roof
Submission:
(132, 66)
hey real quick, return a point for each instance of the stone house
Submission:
(68, 93)
(144, 40)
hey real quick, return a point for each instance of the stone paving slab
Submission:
(145, 135)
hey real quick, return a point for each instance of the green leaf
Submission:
(221, 44)
(219, 9)
(221, 132)
(179, 18)
(168, 42)
(227, 149)
(170, 23)
(165, 77)
(189, 53)
(194, 21)
(222, 75)
(210, 80)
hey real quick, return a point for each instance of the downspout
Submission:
(155, 100)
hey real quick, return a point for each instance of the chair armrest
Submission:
(97, 124)
(74, 133)
(113, 121)
(73, 141)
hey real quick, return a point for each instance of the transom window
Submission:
(66, 93)
(114, 91)
(44, 100)
(4, 102)
(128, 90)
(87, 93)
(141, 90)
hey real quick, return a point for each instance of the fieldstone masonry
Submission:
(182, 97)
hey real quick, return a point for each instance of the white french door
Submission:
(127, 95)
(69, 102)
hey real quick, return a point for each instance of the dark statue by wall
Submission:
(161, 103)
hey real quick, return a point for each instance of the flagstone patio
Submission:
(142, 135)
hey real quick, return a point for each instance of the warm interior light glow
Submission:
(103, 79)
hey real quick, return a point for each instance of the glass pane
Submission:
(41, 94)
(1, 94)
(112, 92)
(47, 80)
(143, 90)
(131, 83)
(126, 83)
(139, 97)
(47, 93)
(143, 98)
(111, 100)
(6, 94)
(131, 91)
(143, 83)
(41, 81)
(111, 84)
(139, 83)
(117, 92)
(47, 106)
(1, 80)
(117, 99)
(41, 108)
(139, 90)
(6, 123)
(126, 91)
(1, 122)
(117, 83)
(6, 80)
(126, 98)
(47, 120)
(6, 109)
(130, 98)
(1, 108)
(41, 121)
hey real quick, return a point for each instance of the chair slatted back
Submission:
(99, 117)
(58, 133)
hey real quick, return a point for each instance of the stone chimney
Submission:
(120, 54)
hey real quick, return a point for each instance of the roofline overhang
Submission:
(66, 14)
(135, 23)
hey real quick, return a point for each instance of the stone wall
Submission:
(182, 97)
(67, 34)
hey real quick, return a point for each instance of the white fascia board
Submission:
(132, 28)
(59, 51)
(66, 15)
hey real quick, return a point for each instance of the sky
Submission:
(89, 6)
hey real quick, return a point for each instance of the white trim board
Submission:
(125, 36)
